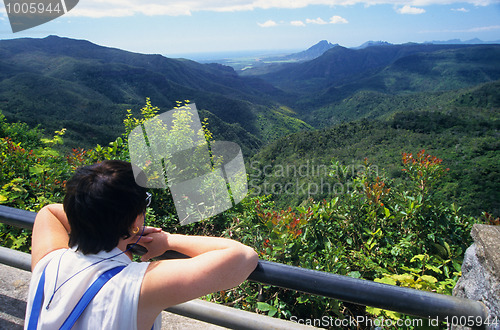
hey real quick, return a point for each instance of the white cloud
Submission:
(297, 23)
(318, 20)
(105, 8)
(333, 20)
(269, 23)
(463, 10)
(407, 9)
(338, 20)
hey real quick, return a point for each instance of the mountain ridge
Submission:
(474, 41)
(49, 76)
(87, 85)
(341, 65)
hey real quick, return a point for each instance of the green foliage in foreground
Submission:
(398, 231)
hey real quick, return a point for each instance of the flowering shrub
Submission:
(424, 170)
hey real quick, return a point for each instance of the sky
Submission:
(180, 27)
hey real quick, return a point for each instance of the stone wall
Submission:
(481, 272)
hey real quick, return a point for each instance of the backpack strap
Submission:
(88, 296)
(37, 303)
(80, 306)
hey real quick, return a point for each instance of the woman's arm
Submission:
(50, 232)
(216, 264)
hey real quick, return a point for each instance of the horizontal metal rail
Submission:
(196, 309)
(362, 292)
(16, 217)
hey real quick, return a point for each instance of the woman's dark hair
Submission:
(102, 202)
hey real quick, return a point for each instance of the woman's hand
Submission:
(142, 237)
(155, 241)
(143, 233)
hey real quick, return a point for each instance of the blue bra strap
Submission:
(88, 296)
(37, 303)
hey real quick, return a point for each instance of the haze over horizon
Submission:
(265, 53)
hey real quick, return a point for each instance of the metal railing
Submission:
(362, 292)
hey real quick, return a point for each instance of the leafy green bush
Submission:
(388, 230)
(29, 178)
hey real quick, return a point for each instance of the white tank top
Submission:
(113, 307)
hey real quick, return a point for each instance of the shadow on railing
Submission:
(362, 292)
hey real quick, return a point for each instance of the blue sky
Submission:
(173, 27)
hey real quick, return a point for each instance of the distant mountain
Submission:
(61, 82)
(309, 54)
(372, 44)
(269, 64)
(411, 81)
(357, 69)
(474, 41)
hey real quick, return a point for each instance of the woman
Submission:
(75, 243)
